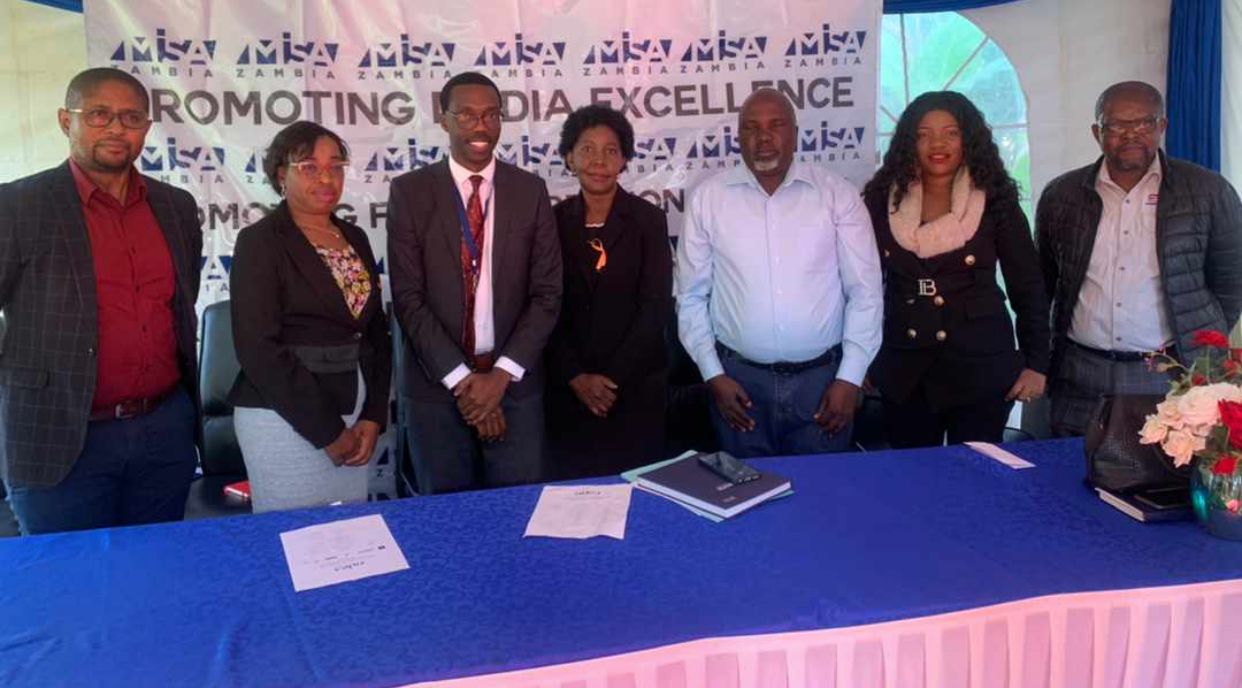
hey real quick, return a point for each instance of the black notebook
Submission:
(1152, 505)
(690, 482)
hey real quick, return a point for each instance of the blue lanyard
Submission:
(466, 234)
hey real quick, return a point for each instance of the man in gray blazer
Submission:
(99, 272)
(475, 265)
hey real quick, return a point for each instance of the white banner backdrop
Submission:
(226, 75)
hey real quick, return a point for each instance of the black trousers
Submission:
(913, 422)
(449, 457)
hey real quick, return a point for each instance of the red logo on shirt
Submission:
(1153, 199)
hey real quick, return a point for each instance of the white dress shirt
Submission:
(1121, 304)
(779, 278)
(484, 326)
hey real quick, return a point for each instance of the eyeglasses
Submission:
(465, 120)
(102, 117)
(313, 170)
(588, 151)
(1135, 126)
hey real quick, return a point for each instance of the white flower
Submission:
(1154, 430)
(1168, 414)
(1199, 406)
(1181, 446)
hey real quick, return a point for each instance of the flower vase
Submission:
(1217, 499)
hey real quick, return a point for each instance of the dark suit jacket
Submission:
(47, 292)
(612, 323)
(976, 359)
(284, 296)
(1198, 237)
(424, 257)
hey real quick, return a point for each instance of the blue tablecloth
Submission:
(866, 538)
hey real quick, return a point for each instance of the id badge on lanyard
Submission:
(472, 247)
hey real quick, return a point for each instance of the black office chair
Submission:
(220, 459)
(403, 453)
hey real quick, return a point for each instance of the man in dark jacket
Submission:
(99, 271)
(1139, 251)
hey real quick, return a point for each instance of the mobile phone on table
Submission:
(729, 467)
(1164, 497)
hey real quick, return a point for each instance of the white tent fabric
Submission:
(1231, 92)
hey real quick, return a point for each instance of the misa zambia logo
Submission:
(175, 157)
(629, 49)
(141, 49)
(655, 149)
(826, 41)
(405, 52)
(263, 52)
(825, 139)
(526, 154)
(254, 163)
(724, 48)
(521, 51)
(403, 158)
(724, 144)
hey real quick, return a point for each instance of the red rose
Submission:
(1231, 366)
(1198, 380)
(1235, 355)
(1211, 338)
(1225, 466)
(1231, 418)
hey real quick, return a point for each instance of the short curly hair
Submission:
(979, 151)
(293, 143)
(594, 116)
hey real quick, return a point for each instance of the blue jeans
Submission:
(783, 406)
(130, 472)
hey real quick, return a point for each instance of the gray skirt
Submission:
(288, 472)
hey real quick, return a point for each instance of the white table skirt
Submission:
(1169, 637)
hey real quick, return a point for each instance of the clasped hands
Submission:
(354, 445)
(597, 392)
(478, 400)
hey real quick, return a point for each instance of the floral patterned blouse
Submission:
(350, 274)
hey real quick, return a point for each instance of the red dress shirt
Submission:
(134, 288)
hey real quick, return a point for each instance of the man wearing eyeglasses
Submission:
(475, 264)
(99, 272)
(1139, 251)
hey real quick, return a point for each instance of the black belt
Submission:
(783, 367)
(131, 409)
(1120, 356)
(329, 358)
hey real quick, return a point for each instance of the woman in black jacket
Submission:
(945, 213)
(607, 357)
(310, 333)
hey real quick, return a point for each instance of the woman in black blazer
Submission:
(310, 333)
(945, 213)
(607, 357)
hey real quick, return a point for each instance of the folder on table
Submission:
(685, 481)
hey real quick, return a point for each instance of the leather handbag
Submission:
(1116, 461)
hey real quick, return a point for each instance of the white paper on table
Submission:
(341, 551)
(580, 511)
(992, 451)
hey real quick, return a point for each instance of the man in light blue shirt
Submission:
(779, 297)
